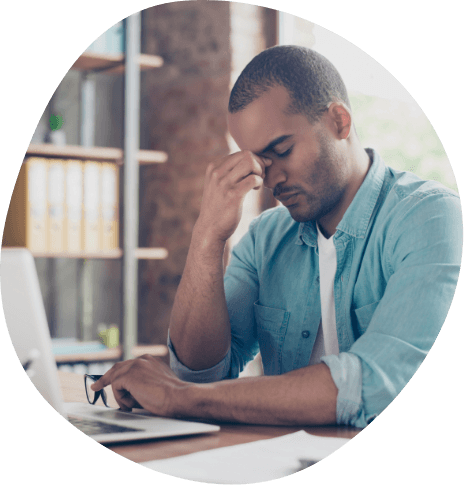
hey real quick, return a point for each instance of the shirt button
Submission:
(369, 421)
(305, 334)
(317, 279)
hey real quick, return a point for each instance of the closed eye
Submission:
(284, 154)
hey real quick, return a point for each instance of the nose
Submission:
(274, 175)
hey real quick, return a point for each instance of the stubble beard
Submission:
(331, 188)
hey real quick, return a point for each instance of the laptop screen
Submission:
(27, 322)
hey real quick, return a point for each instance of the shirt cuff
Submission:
(213, 374)
(346, 372)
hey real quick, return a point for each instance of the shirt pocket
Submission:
(364, 315)
(271, 325)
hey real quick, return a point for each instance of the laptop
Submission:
(27, 324)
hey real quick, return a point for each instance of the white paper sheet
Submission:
(250, 462)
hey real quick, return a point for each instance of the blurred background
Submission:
(183, 107)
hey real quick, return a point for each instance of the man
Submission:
(343, 290)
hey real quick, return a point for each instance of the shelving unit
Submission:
(129, 158)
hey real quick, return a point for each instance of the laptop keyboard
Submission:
(92, 427)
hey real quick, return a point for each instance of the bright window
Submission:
(386, 116)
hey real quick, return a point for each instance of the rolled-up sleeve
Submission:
(346, 371)
(213, 374)
(423, 250)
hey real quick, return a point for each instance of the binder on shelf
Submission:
(109, 206)
(26, 221)
(91, 219)
(56, 206)
(73, 207)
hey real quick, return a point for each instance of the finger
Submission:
(125, 400)
(104, 381)
(224, 165)
(248, 166)
(257, 161)
(230, 162)
(123, 396)
(267, 161)
(245, 168)
(251, 182)
(123, 403)
(263, 161)
(110, 375)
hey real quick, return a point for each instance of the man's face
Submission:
(308, 174)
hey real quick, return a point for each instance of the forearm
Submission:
(199, 327)
(307, 396)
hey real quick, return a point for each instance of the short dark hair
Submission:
(310, 79)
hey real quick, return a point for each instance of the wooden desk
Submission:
(230, 434)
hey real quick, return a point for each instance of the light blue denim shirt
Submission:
(398, 250)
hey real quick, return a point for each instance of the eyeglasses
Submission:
(93, 396)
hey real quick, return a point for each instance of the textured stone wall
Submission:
(184, 106)
(247, 38)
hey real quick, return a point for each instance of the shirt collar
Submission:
(356, 218)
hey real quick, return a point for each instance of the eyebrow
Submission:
(273, 144)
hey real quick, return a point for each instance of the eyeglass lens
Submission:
(93, 396)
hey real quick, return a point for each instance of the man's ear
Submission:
(341, 116)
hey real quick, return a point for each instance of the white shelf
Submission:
(93, 153)
(113, 63)
(151, 253)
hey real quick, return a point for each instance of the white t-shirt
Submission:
(326, 339)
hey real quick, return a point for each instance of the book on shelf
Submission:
(109, 206)
(26, 221)
(91, 219)
(101, 207)
(73, 216)
(64, 207)
(56, 205)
